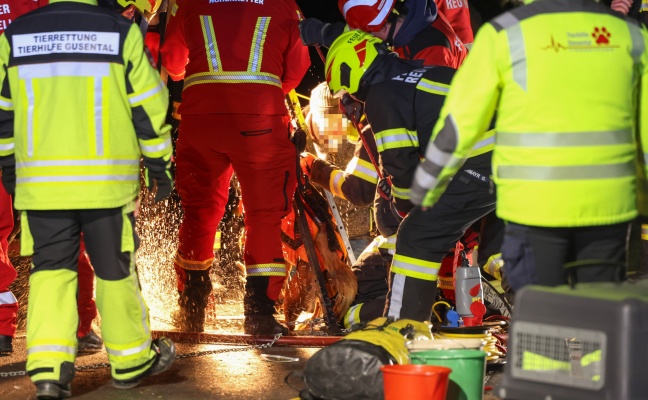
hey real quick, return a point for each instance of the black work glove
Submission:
(164, 183)
(384, 189)
(9, 179)
(315, 32)
(310, 31)
(351, 108)
(299, 140)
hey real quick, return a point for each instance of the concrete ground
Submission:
(229, 372)
(202, 371)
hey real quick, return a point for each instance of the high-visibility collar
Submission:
(92, 2)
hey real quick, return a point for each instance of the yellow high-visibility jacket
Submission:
(79, 106)
(564, 77)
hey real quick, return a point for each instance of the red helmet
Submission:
(366, 15)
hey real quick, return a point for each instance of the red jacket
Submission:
(437, 44)
(240, 57)
(10, 10)
(458, 14)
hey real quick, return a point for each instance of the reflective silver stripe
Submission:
(98, 116)
(431, 271)
(396, 299)
(483, 143)
(266, 270)
(211, 41)
(436, 155)
(259, 38)
(506, 20)
(448, 137)
(638, 45)
(645, 156)
(423, 179)
(78, 69)
(156, 147)
(6, 104)
(438, 88)
(77, 178)
(336, 179)
(403, 137)
(147, 94)
(7, 298)
(51, 348)
(29, 88)
(565, 139)
(544, 173)
(129, 352)
(75, 163)
(96, 70)
(352, 310)
(400, 193)
(518, 54)
(5, 147)
(367, 171)
(234, 78)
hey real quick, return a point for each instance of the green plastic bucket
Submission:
(468, 370)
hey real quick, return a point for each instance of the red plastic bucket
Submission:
(415, 382)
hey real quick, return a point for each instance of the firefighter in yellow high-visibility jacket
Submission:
(564, 77)
(80, 105)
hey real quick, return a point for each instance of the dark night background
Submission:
(327, 11)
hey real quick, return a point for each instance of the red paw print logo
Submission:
(601, 35)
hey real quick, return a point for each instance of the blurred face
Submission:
(383, 33)
(331, 130)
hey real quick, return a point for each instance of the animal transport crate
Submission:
(584, 343)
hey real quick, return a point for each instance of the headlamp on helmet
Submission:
(348, 59)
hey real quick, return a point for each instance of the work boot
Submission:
(166, 353)
(6, 345)
(51, 390)
(190, 317)
(263, 325)
(90, 342)
(259, 309)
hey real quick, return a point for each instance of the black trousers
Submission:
(428, 235)
(57, 236)
(537, 255)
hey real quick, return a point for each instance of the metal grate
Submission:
(559, 355)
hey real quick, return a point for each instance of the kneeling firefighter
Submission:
(402, 102)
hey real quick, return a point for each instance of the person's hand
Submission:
(9, 179)
(351, 108)
(299, 140)
(622, 6)
(310, 31)
(164, 183)
(306, 162)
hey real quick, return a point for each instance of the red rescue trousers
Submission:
(8, 302)
(258, 149)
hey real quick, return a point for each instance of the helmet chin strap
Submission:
(143, 25)
(390, 35)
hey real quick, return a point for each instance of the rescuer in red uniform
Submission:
(241, 58)
(457, 13)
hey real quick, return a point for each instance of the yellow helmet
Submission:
(348, 59)
(144, 6)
